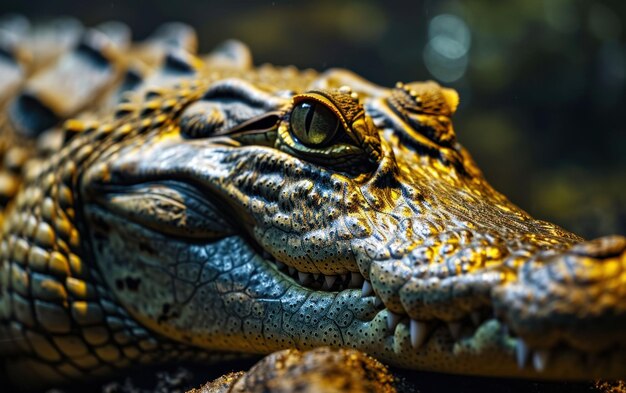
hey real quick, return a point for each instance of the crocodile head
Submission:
(235, 217)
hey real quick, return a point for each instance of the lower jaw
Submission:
(487, 351)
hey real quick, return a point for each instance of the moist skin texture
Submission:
(218, 209)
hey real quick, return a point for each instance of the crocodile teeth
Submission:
(321, 281)
(540, 359)
(329, 281)
(356, 280)
(367, 289)
(305, 278)
(392, 320)
(378, 302)
(521, 352)
(418, 331)
(455, 329)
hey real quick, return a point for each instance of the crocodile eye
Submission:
(313, 124)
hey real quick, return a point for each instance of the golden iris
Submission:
(313, 124)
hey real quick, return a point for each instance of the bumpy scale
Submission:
(200, 208)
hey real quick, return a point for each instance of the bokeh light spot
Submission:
(446, 53)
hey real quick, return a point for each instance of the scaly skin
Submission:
(317, 370)
(227, 209)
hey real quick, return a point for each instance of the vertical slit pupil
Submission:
(309, 116)
(313, 124)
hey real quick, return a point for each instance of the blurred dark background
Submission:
(542, 82)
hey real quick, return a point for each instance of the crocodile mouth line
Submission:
(320, 281)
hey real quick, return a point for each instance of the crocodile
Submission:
(166, 206)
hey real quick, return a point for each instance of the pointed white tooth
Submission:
(392, 320)
(280, 265)
(455, 329)
(356, 280)
(292, 270)
(305, 278)
(329, 281)
(367, 289)
(343, 277)
(378, 302)
(316, 276)
(419, 331)
(476, 318)
(540, 359)
(521, 352)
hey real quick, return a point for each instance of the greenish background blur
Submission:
(542, 82)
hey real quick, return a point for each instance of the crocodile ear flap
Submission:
(451, 97)
(257, 125)
(203, 120)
